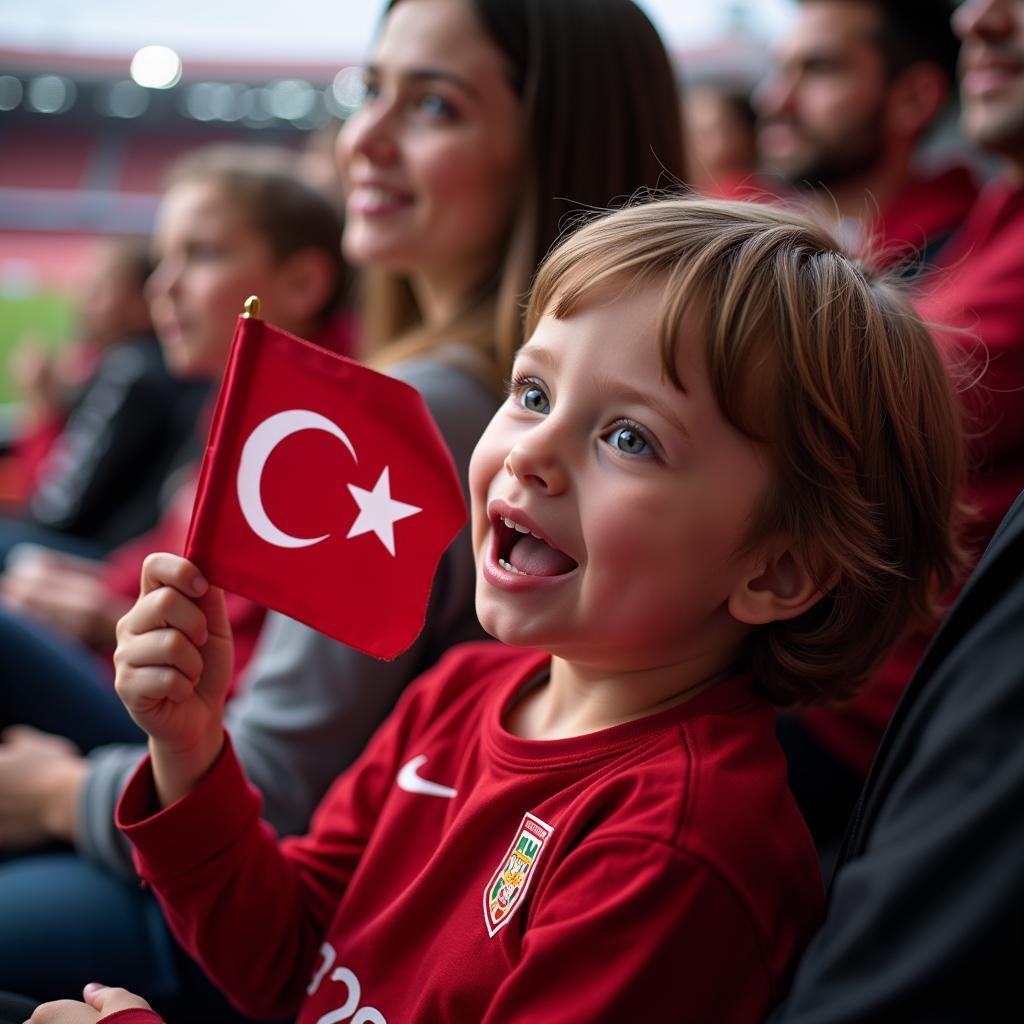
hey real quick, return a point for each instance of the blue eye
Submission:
(629, 440)
(534, 399)
(436, 106)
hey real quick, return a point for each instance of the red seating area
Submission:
(146, 157)
(44, 157)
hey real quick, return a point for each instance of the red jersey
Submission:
(656, 870)
(978, 289)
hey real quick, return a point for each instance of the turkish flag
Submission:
(326, 491)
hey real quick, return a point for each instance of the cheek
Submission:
(826, 107)
(473, 192)
(343, 148)
(483, 467)
(659, 543)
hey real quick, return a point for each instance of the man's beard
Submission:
(831, 164)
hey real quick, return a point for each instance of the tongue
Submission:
(532, 556)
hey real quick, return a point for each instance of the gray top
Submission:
(308, 703)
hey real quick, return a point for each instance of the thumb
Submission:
(214, 607)
(109, 1001)
(96, 995)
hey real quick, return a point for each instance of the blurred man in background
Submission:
(857, 86)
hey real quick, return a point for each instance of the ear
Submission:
(778, 587)
(915, 98)
(307, 279)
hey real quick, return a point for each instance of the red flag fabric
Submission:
(326, 492)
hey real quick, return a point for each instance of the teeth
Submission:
(510, 568)
(379, 195)
(515, 526)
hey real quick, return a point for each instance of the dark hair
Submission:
(909, 31)
(734, 96)
(134, 257)
(265, 183)
(601, 106)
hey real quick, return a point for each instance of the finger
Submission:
(19, 589)
(27, 554)
(164, 608)
(110, 1000)
(26, 735)
(165, 570)
(166, 648)
(215, 610)
(95, 994)
(38, 606)
(142, 688)
(33, 590)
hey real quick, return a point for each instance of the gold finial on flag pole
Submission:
(252, 308)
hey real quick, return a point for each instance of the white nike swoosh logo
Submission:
(411, 781)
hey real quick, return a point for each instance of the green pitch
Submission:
(48, 316)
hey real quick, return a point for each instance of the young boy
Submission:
(724, 477)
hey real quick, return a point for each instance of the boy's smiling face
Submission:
(637, 496)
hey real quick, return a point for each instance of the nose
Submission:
(536, 461)
(370, 132)
(986, 19)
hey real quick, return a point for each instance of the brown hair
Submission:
(828, 364)
(133, 257)
(265, 184)
(601, 107)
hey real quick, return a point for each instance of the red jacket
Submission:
(657, 870)
(921, 219)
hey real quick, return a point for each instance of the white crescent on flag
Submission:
(378, 511)
(260, 443)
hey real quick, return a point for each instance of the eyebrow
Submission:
(626, 393)
(622, 392)
(431, 74)
(536, 350)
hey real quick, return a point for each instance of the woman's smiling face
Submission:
(431, 162)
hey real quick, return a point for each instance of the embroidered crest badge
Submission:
(509, 883)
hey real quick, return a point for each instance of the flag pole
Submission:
(252, 308)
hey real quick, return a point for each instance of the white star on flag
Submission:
(378, 511)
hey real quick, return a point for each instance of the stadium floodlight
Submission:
(156, 67)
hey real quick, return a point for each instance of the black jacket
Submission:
(131, 426)
(925, 920)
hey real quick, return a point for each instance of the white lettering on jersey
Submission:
(350, 1009)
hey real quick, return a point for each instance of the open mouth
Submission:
(371, 199)
(521, 551)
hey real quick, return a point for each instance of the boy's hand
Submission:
(174, 662)
(100, 1003)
